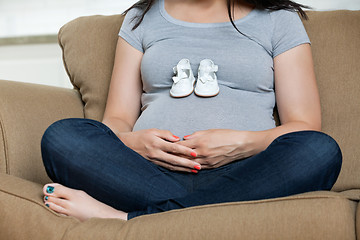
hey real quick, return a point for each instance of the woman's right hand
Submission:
(158, 146)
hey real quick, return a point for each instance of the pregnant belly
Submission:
(229, 110)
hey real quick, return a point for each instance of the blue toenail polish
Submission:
(50, 189)
(47, 205)
(46, 198)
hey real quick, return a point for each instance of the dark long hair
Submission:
(145, 6)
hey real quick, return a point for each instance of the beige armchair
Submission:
(88, 44)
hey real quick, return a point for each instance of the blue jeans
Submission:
(85, 154)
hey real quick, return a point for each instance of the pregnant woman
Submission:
(189, 116)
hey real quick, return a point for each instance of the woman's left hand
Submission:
(218, 147)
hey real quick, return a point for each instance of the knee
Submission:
(66, 127)
(325, 148)
(324, 158)
(317, 159)
(57, 143)
(55, 132)
(50, 139)
(58, 136)
(64, 136)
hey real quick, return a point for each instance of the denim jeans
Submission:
(85, 154)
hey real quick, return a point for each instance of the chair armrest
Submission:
(26, 110)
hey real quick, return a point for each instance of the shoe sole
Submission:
(207, 96)
(182, 96)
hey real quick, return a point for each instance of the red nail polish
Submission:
(176, 137)
(197, 167)
(194, 171)
(187, 136)
(193, 154)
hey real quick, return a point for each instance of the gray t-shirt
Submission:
(246, 75)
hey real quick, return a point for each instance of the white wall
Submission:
(33, 63)
(321, 5)
(38, 17)
(42, 63)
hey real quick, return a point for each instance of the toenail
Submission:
(50, 189)
(46, 198)
(47, 205)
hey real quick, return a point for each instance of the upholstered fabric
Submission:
(88, 45)
(22, 214)
(317, 215)
(335, 38)
(26, 110)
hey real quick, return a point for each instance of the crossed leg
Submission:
(293, 163)
(85, 154)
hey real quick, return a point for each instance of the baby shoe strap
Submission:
(205, 78)
(206, 70)
(180, 75)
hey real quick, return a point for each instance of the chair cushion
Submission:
(89, 46)
(22, 214)
(316, 215)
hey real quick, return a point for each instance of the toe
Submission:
(58, 201)
(49, 189)
(57, 190)
(56, 208)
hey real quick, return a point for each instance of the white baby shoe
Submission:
(184, 80)
(207, 84)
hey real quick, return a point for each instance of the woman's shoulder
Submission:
(270, 18)
(278, 21)
(283, 16)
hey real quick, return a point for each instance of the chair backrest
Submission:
(335, 38)
(89, 44)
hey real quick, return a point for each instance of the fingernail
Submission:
(47, 205)
(46, 198)
(176, 137)
(193, 154)
(186, 136)
(50, 189)
(194, 171)
(197, 167)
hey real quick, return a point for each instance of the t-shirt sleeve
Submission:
(133, 37)
(288, 31)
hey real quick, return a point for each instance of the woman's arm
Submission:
(298, 105)
(297, 95)
(123, 109)
(123, 103)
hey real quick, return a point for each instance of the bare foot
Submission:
(77, 203)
